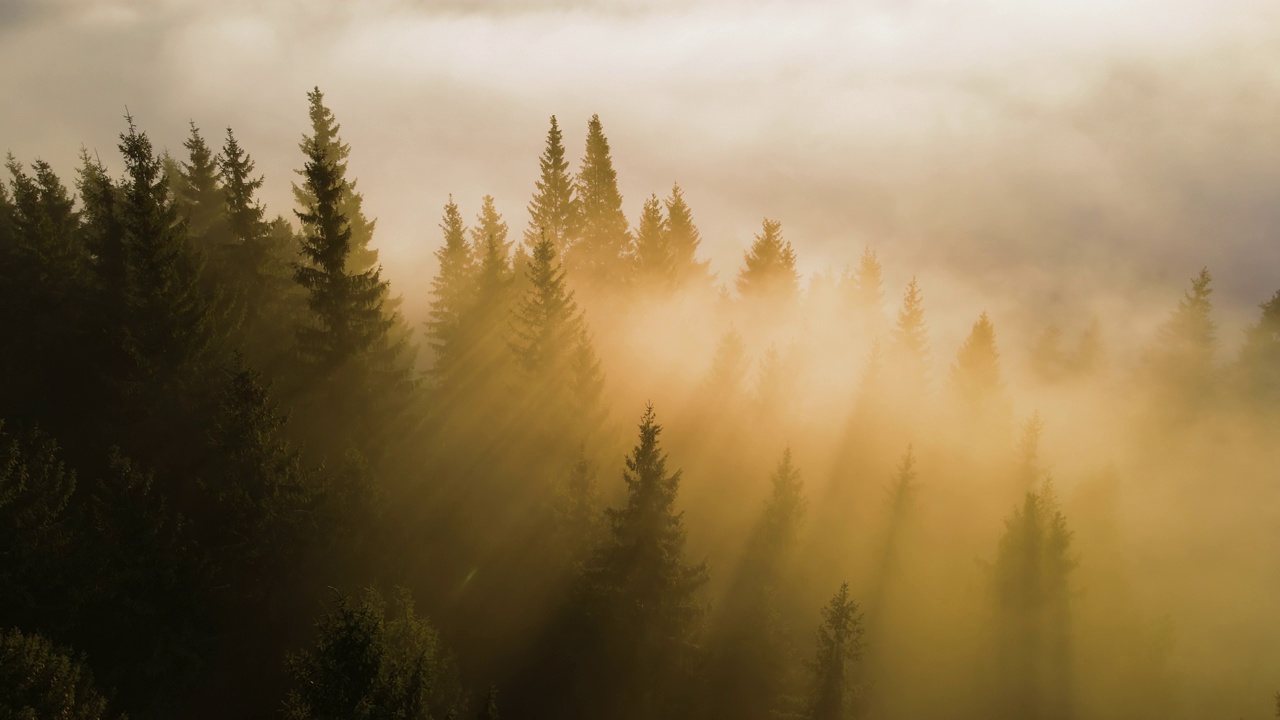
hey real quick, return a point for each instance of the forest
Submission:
(238, 479)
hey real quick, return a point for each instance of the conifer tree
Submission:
(683, 240)
(555, 210)
(256, 257)
(602, 254)
(104, 236)
(452, 293)
(547, 322)
(1182, 359)
(910, 344)
(769, 269)
(199, 197)
(369, 661)
(262, 499)
(170, 323)
(1031, 583)
(655, 261)
(641, 591)
(1260, 357)
(728, 367)
(484, 323)
(839, 646)
(753, 648)
(864, 289)
(975, 376)
(324, 142)
(346, 303)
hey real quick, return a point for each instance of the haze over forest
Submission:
(639, 360)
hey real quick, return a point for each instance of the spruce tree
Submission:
(256, 258)
(1260, 357)
(683, 240)
(839, 646)
(555, 210)
(641, 591)
(975, 375)
(1031, 586)
(864, 293)
(769, 268)
(452, 293)
(547, 323)
(170, 324)
(602, 255)
(910, 342)
(753, 648)
(199, 197)
(324, 142)
(655, 262)
(346, 303)
(1182, 359)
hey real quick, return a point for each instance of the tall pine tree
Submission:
(555, 210)
(769, 267)
(683, 240)
(602, 255)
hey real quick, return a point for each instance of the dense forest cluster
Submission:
(596, 481)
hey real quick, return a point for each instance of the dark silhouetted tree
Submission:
(371, 663)
(1031, 577)
(324, 142)
(655, 262)
(346, 303)
(1260, 357)
(555, 210)
(839, 646)
(683, 240)
(641, 592)
(41, 680)
(601, 257)
(769, 268)
(452, 293)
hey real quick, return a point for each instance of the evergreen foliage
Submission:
(769, 267)
(555, 211)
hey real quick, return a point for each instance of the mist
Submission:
(640, 360)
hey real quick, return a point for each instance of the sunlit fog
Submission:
(638, 360)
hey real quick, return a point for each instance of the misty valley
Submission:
(575, 472)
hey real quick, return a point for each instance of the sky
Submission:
(1067, 155)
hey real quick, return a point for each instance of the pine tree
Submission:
(346, 303)
(489, 707)
(602, 255)
(683, 240)
(555, 210)
(1182, 359)
(324, 142)
(256, 258)
(753, 649)
(104, 237)
(839, 646)
(769, 270)
(902, 490)
(975, 376)
(655, 261)
(641, 591)
(199, 197)
(452, 293)
(1260, 357)
(728, 367)
(484, 323)
(547, 323)
(864, 289)
(170, 324)
(1031, 584)
(261, 499)
(910, 344)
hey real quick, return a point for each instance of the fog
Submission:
(1051, 491)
